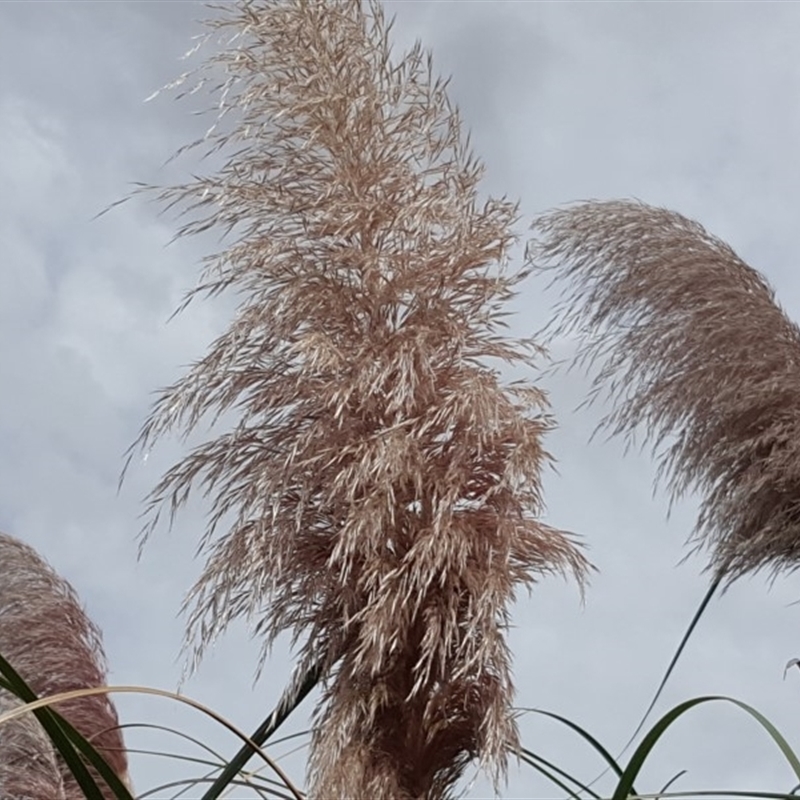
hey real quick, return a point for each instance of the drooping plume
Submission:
(695, 352)
(382, 480)
(49, 640)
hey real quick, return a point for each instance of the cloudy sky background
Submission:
(693, 106)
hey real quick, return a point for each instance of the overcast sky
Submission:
(693, 106)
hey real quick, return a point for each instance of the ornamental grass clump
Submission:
(50, 641)
(695, 350)
(383, 482)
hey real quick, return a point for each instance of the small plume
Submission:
(47, 637)
(695, 351)
(383, 481)
(28, 764)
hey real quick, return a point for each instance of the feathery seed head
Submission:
(49, 640)
(385, 482)
(694, 349)
(28, 764)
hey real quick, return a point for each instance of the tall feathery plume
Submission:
(695, 350)
(384, 483)
(47, 637)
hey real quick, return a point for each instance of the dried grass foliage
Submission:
(695, 350)
(47, 637)
(384, 483)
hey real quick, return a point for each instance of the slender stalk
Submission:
(290, 700)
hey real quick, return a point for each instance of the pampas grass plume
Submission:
(693, 350)
(384, 484)
(50, 641)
